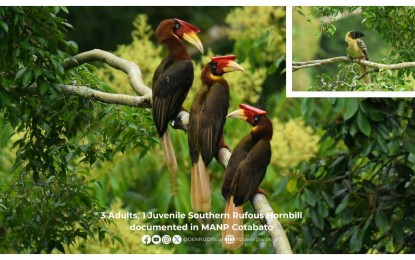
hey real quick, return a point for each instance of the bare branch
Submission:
(277, 233)
(130, 68)
(314, 63)
(120, 99)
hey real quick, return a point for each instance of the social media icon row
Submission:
(156, 239)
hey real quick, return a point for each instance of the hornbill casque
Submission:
(356, 49)
(172, 79)
(245, 170)
(207, 118)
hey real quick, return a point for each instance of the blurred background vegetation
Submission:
(347, 164)
(323, 29)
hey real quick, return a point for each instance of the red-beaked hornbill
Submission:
(356, 49)
(207, 118)
(245, 170)
(172, 79)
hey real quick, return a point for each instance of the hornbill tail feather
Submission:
(169, 152)
(232, 239)
(200, 187)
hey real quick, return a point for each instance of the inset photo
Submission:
(353, 49)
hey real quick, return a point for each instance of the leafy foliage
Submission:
(49, 203)
(128, 242)
(358, 194)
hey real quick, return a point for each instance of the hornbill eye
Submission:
(177, 26)
(256, 119)
(213, 66)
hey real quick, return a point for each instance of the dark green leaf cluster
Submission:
(36, 218)
(395, 24)
(55, 136)
(359, 195)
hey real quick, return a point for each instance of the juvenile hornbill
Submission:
(172, 79)
(356, 49)
(207, 118)
(245, 170)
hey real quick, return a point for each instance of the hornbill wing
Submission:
(212, 120)
(194, 118)
(238, 155)
(362, 46)
(251, 171)
(207, 118)
(171, 83)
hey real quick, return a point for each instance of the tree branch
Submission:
(130, 68)
(314, 63)
(279, 238)
(119, 99)
(259, 201)
(340, 16)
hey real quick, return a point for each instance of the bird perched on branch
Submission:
(207, 118)
(172, 79)
(245, 171)
(356, 49)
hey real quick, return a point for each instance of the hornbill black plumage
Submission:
(245, 171)
(207, 118)
(172, 79)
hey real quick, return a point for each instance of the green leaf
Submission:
(63, 8)
(20, 73)
(43, 88)
(342, 205)
(27, 78)
(393, 147)
(4, 26)
(322, 209)
(352, 104)
(73, 46)
(328, 199)
(355, 241)
(338, 189)
(317, 220)
(307, 107)
(339, 104)
(310, 197)
(101, 235)
(397, 232)
(409, 145)
(59, 246)
(363, 124)
(382, 144)
(380, 219)
(119, 240)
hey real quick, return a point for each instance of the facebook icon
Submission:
(146, 239)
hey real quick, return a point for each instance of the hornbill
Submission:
(172, 79)
(207, 118)
(356, 49)
(245, 171)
